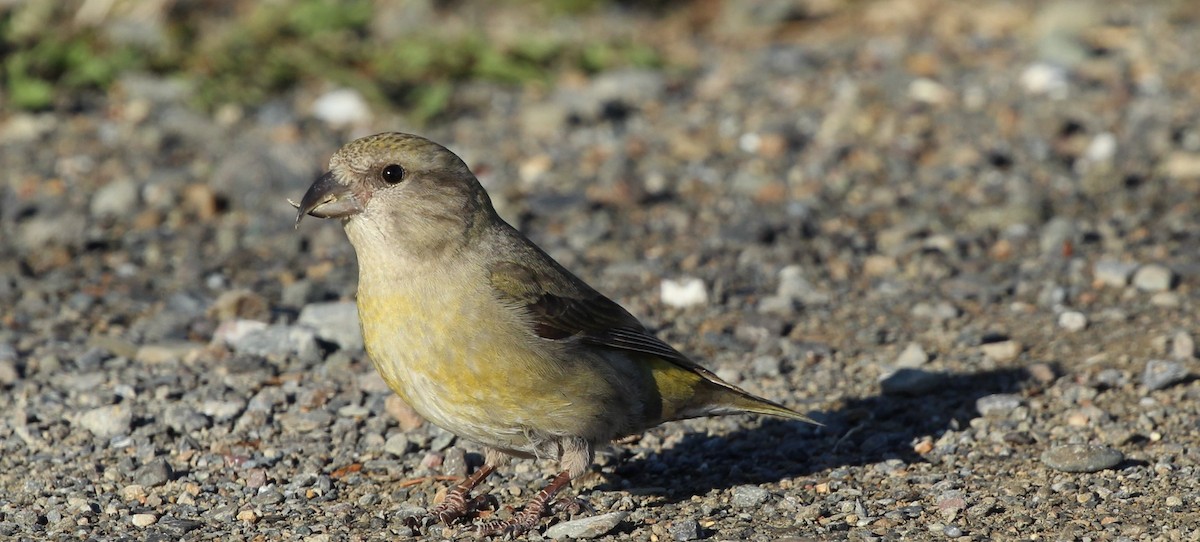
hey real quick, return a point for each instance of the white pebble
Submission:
(1047, 79)
(342, 107)
(118, 198)
(1002, 351)
(1102, 148)
(1072, 321)
(912, 356)
(107, 421)
(749, 142)
(1153, 278)
(143, 520)
(684, 292)
(928, 91)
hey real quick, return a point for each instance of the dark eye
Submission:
(392, 174)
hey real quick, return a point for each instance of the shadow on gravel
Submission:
(864, 431)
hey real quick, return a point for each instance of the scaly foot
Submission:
(528, 517)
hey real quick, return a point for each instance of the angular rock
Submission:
(749, 496)
(588, 527)
(1162, 373)
(911, 382)
(335, 322)
(107, 421)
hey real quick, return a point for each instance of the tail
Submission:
(691, 391)
(715, 396)
(743, 401)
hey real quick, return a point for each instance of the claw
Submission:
(456, 504)
(529, 517)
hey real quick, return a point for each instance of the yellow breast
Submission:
(459, 360)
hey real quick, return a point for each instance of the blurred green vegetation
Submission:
(249, 51)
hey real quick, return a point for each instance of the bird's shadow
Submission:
(862, 431)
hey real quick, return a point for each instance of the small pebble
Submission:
(1153, 278)
(154, 473)
(767, 366)
(685, 292)
(1183, 346)
(223, 410)
(396, 445)
(1002, 350)
(178, 527)
(454, 463)
(115, 199)
(938, 312)
(1043, 373)
(911, 382)
(26, 517)
(1114, 273)
(342, 107)
(1101, 148)
(1072, 321)
(143, 520)
(588, 527)
(8, 372)
(132, 492)
(240, 304)
(152, 354)
(1082, 458)
(107, 421)
(793, 286)
(441, 441)
(1111, 378)
(928, 91)
(997, 404)
(431, 461)
(279, 340)
(1167, 300)
(1045, 78)
(685, 529)
(1161, 373)
(335, 322)
(268, 495)
(749, 496)
(912, 356)
(403, 414)
(353, 411)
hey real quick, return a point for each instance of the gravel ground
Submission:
(964, 237)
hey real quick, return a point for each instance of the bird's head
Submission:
(400, 187)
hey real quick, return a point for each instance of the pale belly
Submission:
(465, 368)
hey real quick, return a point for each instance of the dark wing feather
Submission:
(567, 309)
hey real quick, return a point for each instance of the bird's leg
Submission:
(456, 504)
(529, 516)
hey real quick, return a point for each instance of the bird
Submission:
(485, 335)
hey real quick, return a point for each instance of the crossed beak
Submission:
(327, 198)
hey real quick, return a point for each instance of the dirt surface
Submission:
(964, 236)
